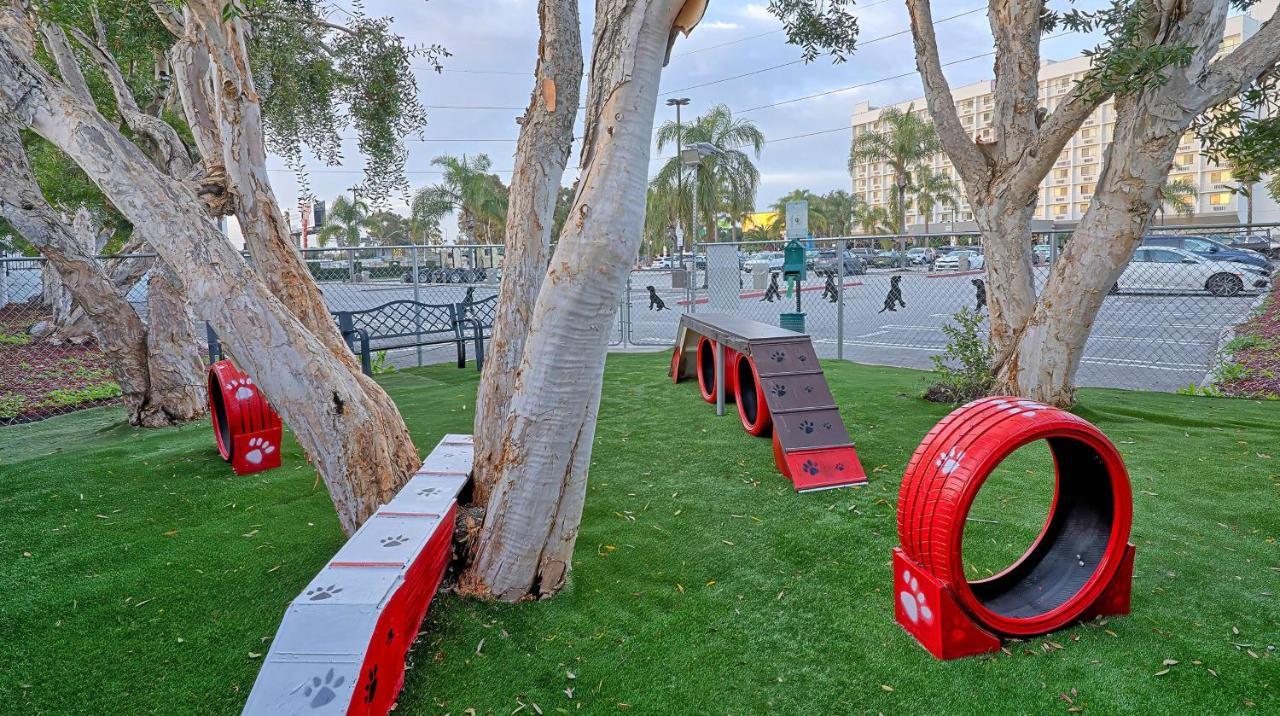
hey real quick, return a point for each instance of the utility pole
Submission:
(678, 103)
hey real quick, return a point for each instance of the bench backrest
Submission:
(482, 311)
(400, 319)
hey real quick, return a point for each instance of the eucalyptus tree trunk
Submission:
(525, 547)
(219, 80)
(1002, 177)
(546, 140)
(1149, 125)
(175, 370)
(351, 430)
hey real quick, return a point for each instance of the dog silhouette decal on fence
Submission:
(772, 293)
(894, 297)
(980, 288)
(655, 301)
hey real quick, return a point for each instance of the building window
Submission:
(1060, 173)
(1220, 177)
(1220, 198)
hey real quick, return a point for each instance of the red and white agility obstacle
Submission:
(245, 427)
(1079, 567)
(342, 644)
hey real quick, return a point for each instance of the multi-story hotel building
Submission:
(1066, 191)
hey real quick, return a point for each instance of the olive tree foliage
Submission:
(1157, 61)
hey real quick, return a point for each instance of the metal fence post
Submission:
(351, 265)
(417, 299)
(840, 300)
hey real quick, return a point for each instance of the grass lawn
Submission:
(139, 576)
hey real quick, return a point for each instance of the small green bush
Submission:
(12, 405)
(63, 397)
(14, 339)
(964, 368)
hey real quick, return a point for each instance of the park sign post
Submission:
(797, 219)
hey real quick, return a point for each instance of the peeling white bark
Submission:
(348, 426)
(531, 524)
(546, 140)
(1149, 125)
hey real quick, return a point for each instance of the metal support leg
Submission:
(719, 378)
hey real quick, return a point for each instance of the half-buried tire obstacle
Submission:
(245, 427)
(341, 647)
(1079, 567)
(774, 377)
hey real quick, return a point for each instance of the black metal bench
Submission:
(410, 324)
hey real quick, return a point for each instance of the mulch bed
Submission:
(1261, 361)
(40, 380)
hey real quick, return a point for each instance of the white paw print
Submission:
(1025, 408)
(243, 387)
(913, 600)
(950, 461)
(259, 448)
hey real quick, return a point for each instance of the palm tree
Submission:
(840, 208)
(342, 225)
(725, 182)
(467, 187)
(933, 189)
(907, 140)
(875, 220)
(1179, 195)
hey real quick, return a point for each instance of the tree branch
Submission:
(55, 41)
(169, 152)
(1247, 62)
(1061, 125)
(964, 154)
(169, 16)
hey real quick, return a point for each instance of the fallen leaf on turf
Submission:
(886, 687)
(1161, 672)
(255, 655)
(479, 647)
(1168, 662)
(171, 533)
(680, 587)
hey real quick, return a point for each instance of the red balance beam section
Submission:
(245, 427)
(1079, 567)
(342, 645)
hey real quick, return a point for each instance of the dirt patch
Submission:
(1253, 370)
(40, 380)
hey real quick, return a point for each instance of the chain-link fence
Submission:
(1164, 327)
(885, 299)
(50, 362)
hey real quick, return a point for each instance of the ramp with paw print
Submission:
(245, 427)
(341, 647)
(779, 387)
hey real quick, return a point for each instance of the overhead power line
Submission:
(864, 43)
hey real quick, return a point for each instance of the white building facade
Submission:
(1066, 191)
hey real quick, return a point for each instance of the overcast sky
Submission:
(494, 42)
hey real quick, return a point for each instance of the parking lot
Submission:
(1140, 340)
(1148, 341)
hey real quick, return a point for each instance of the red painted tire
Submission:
(236, 406)
(749, 395)
(1084, 538)
(707, 371)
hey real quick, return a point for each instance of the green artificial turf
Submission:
(139, 576)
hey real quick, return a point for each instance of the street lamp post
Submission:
(678, 102)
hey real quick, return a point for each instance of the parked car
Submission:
(773, 258)
(826, 263)
(1155, 268)
(1210, 249)
(889, 259)
(1040, 253)
(921, 255)
(951, 262)
(427, 274)
(1259, 243)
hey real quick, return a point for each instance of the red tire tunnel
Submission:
(1080, 566)
(774, 378)
(245, 427)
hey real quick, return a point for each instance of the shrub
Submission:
(964, 369)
